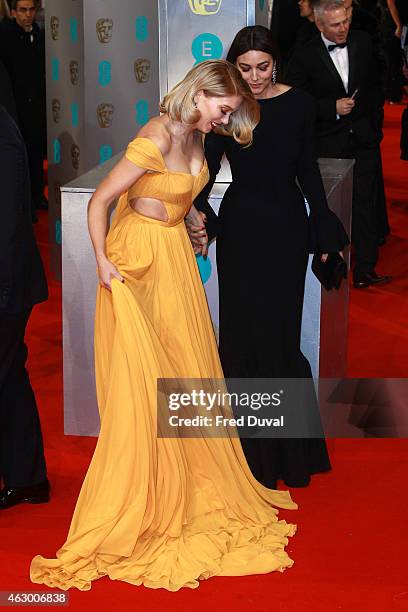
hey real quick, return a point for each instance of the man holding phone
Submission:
(339, 69)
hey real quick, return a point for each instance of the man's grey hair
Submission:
(321, 7)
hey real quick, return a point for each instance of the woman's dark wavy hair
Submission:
(254, 38)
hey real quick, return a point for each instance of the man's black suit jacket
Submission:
(22, 277)
(25, 62)
(312, 69)
(6, 93)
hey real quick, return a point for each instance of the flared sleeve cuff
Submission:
(327, 234)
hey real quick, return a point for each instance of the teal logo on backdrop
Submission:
(261, 4)
(55, 64)
(142, 112)
(74, 114)
(105, 74)
(57, 151)
(58, 233)
(142, 28)
(105, 153)
(205, 47)
(205, 268)
(73, 29)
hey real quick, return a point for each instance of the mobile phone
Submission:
(354, 93)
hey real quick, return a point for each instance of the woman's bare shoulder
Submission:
(156, 131)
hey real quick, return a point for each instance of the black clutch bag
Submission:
(330, 272)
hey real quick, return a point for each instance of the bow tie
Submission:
(340, 46)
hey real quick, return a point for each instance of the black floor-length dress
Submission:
(263, 240)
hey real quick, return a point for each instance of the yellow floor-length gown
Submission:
(161, 512)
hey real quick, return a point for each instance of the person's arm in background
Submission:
(392, 7)
(214, 148)
(327, 231)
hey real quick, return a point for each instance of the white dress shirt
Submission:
(340, 59)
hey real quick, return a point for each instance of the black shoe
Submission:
(370, 278)
(36, 494)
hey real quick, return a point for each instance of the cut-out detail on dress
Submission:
(133, 201)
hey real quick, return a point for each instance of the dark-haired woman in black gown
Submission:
(263, 242)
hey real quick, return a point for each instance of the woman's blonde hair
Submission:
(216, 78)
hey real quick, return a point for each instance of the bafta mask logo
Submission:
(56, 110)
(54, 25)
(104, 113)
(74, 72)
(104, 28)
(75, 155)
(142, 70)
(205, 7)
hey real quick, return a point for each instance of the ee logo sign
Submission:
(205, 47)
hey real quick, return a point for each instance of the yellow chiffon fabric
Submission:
(164, 513)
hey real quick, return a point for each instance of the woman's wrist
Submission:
(101, 258)
(192, 213)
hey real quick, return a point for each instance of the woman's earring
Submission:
(274, 75)
(195, 103)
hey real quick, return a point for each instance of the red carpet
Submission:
(350, 550)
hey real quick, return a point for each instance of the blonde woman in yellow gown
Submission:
(163, 512)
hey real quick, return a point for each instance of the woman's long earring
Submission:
(274, 75)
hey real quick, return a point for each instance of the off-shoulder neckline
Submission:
(164, 162)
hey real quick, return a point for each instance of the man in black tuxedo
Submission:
(339, 69)
(22, 284)
(22, 51)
